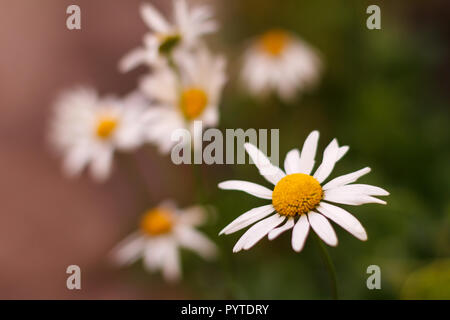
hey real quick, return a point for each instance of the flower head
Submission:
(162, 231)
(87, 129)
(280, 62)
(300, 198)
(192, 92)
(167, 39)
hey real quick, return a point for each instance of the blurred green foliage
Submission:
(429, 282)
(379, 95)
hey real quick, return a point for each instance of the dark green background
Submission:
(385, 94)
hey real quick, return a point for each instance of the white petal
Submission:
(75, 160)
(257, 232)
(210, 116)
(181, 12)
(277, 231)
(329, 160)
(248, 218)
(132, 60)
(353, 199)
(129, 250)
(192, 239)
(292, 162)
(153, 18)
(360, 189)
(129, 138)
(309, 153)
(364, 189)
(342, 151)
(262, 231)
(169, 205)
(344, 219)
(153, 114)
(346, 179)
(202, 13)
(322, 228)
(154, 253)
(193, 216)
(249, 187)
(299, 233)
(161, 86)
(101, 164)
(171, 264)
(272, 173)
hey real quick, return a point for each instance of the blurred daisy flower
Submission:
(166, 39)
(87, 129)
(279, 62)
(302, 199)
(163, 230)
(182, 95)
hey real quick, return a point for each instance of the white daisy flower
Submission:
(87, 129)
(169, 38)
(280, 62)
(183, 96)
(163, 230)
(301, 199)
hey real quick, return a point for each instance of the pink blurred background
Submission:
(48, 222)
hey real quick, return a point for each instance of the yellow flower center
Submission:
(274, 42)
(157, 221)
(105, 126)
(296, 194)
(192, 103)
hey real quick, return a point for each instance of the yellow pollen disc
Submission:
(192, 103)
(106, 126)
(296, 194)
(274, 42)
(156, 222)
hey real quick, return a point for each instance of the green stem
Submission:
(330, 267)
(174, 66)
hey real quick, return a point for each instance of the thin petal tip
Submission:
(144, 7)
(248, 145)
(222, 185)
